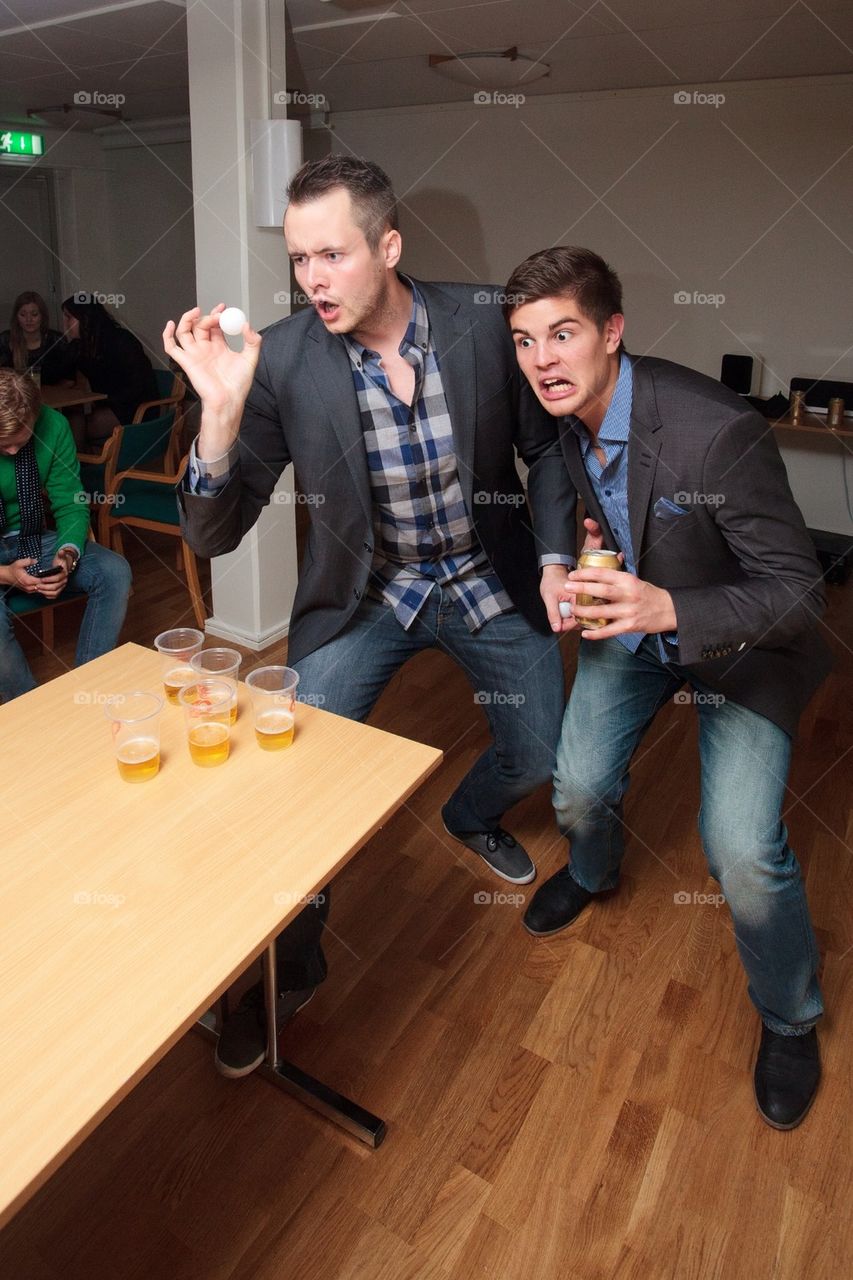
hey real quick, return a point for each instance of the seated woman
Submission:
(37, 453)
(114, 362)
(30, 344)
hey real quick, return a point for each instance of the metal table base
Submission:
(335, 1106)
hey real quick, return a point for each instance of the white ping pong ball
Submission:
(231, 321)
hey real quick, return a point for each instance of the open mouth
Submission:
(556, 388)
(326, 310)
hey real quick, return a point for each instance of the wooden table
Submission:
(68, 397)
(128, 909)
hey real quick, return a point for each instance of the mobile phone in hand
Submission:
(51, 571)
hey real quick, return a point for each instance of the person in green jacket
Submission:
(38, 460)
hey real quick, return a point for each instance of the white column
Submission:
(236, 66)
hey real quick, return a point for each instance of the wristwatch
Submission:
(72, 559)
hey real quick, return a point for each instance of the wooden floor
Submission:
(579, 1108)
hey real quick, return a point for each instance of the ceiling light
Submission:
(492, 70)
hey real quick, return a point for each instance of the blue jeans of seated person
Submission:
(104, 577)
(517, 677)
(744, 766)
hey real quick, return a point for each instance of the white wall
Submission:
(677, 197)
(150, 202)
(124, 223)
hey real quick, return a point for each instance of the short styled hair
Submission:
(20, 402)
(373, 200)
(569, 271)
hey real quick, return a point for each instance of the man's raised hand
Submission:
(220, 376)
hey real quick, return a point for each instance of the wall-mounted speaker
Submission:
(736, 373)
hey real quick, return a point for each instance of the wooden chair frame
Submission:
(186, 556)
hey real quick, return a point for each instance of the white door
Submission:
(28, 259)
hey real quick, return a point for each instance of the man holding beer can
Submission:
(718, 588)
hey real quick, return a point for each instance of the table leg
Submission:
(362, 1124)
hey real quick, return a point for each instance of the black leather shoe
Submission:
(556, 904)
(500, 851)
(787, 1073)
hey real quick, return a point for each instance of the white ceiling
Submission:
(51, 50)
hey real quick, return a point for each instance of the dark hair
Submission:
(95, 321)
(20, 402)
(568, 271)
(17, 341)
(373, 200)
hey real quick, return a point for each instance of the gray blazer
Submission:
(302, 408)
(739, 564)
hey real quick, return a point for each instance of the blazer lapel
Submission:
(644, 444)
(332, 376)
(454, 346)
(570, 445)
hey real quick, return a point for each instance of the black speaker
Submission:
(736, 373)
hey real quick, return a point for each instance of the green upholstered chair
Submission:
(144, 500)
(171, 390)
(138, 445)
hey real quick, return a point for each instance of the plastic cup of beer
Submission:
(273, 691)
(135, 722)
(207, 710)
(176, 648)
(224, 664)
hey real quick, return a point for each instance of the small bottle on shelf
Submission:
(835, 416)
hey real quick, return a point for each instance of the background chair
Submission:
(130, 448)
(172, 393)
(145, 500)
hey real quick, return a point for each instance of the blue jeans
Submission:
(517, 677)
(103, 576)
(744, 762)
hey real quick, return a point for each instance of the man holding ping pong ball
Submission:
(401, 406)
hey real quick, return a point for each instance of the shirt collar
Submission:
(416, 338)
(616, 424)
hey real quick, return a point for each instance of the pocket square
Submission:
(666, 510)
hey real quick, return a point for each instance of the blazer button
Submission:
(356, 593)
(367, 546)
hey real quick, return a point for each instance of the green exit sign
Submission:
(21, 144)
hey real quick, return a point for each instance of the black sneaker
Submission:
(787, 1074)
(500, 851)
(242, 1044)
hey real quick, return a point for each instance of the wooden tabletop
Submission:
(67, 397)
(127, 908)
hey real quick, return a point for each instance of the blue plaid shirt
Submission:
(423, 533)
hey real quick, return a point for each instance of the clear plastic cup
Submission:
(207, 711)
(176, 648)
(224, 664)
(273, 691)
(135, 722)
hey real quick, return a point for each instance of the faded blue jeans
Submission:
(516, 675)
(105, 579)
(744, 762)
